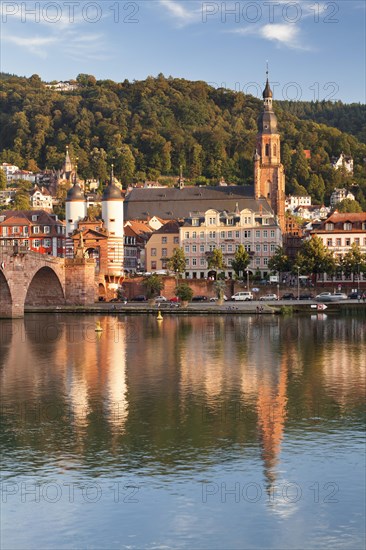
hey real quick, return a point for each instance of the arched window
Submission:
(267, 149)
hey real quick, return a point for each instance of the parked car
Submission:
(306, 297)
(139, 298)
(199, 298)
(214, 298)
(355, 296)
(338, 296)
(122, 300)
(242, 297)
(174, 299)
(160, 299)
(323, 296)
(289, 296)
(269, 297)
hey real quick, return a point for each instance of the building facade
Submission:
(269, 175)
(160, 246)
(258, 231)
(34, 230)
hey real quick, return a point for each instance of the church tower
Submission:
(269, 176)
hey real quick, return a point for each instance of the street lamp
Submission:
(247, 270)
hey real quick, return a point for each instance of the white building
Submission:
(201, 233)
(312, 212)
(340, 195)
(343, 161)
(293, 201)
(41, 199)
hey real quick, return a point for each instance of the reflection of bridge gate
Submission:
(29, 278)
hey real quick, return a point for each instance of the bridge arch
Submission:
(6, 301)
(45, 289)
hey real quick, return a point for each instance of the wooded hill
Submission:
(149, 128)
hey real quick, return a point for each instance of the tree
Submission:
(125, 164)
(219, 287)
(354, 262)
(300, 168)
(94, 212)
(279, 261)
(2, 179)
(153, 285)
(184, 292)
(348, 205)
(316, 188)
(241, 261)
(215, 259)
(315, 258)
(21, 200)
(177, 262)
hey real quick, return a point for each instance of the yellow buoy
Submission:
(98, 328)
(159, 317)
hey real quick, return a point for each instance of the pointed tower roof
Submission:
(267, 92)
(112, 192)
(68, 164)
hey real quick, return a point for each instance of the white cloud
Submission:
(286, 34)
(180, 13)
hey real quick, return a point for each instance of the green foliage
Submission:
(279, 261)
(348, 205)
(94, 212)
(2, 179)
(151, 127)
(177, 262)
(21, 200)
(215, 259)
(153, 285)
(241, 261)
(287, 310)
(315, 258)
(184, 292)
(354, 261)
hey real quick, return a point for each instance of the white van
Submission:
(242, 296)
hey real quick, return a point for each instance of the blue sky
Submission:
(315, 49)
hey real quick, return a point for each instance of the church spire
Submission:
(267, 94)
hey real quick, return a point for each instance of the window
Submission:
(237, 234)
(247, 220)
(164, 240)
(265, 248)
(153, 252)
(246, 234)
(186, 249)
(357, 241)
(347, 226)
(176, 240)
(194, 261)
(112, 220)
(211, 221)
(222, 234)
(34, 218)
(194, 235)
(229, 234)
(257, 261)
(273, 247)
(202, 262)
(265, 261)
(46, 243)
(36, 243)
(265, 234)
(247, 247)
(329, 226)
(194, 248)
(272, 233)
(46, 229)
(348, 242)
(229, 247)
(329, 242)
(339, 242)
(36, 229)
(229, 221)
(153, 265)
(212, 235)
(25, 230)
(223, 247)
(164, 252)
(202, 247)
(186, 235)
(257, 247)
(202, 234)
(257, 234)
(187, 262)
(195, 221)
(26, 242)
(211, 247)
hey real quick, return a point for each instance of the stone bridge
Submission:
(31, 279)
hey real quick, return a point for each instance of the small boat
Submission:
(98, 328)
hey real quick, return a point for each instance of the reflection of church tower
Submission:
(76, 210)
(269, 177)
(271, 408)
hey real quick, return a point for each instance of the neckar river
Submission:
(240, 432)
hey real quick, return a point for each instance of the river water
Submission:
(235, 432)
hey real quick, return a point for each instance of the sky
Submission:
(316, 50)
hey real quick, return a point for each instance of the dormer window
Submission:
(347, 226)
(329, 226)
(34, 218)
(195, 222)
